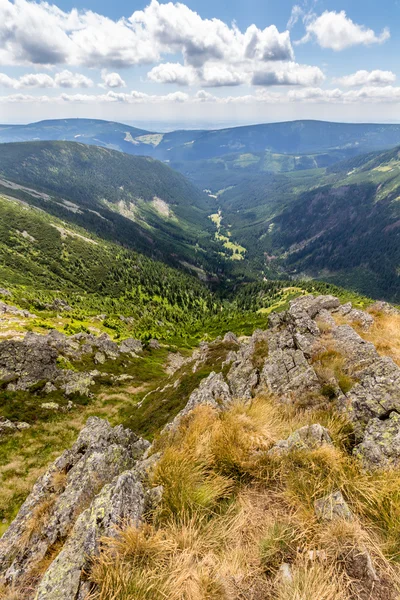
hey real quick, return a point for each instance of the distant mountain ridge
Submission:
(303, 137)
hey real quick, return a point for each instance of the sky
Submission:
(200, 62)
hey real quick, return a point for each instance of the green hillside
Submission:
(340, 224)
(136, 201)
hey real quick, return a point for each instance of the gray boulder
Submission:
(332, 507)
(305, 438)
(121, 502)
(380, 447)
(28, 361)
(99, 455)
(131, 345)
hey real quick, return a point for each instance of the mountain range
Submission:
(237, 217)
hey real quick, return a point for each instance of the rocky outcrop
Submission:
(35, 360)
(244, 374)
(84, 494)
(305, 438)
(123, 501)
(212, 391)
(13, 310)
(380, 447)
(102, 483)
(59, 305)
(7, 426)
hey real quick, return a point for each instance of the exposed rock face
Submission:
(100, 454)
(306, 438)
(380, 447)
(120, 502)
(25, 362)
(212, 391)
(13, 310)
(332, 507)
(244, 373)
(101, 482)
(33, 360)
(358, 317)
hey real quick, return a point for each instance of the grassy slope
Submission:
(339, 224)
(136, 201)
(231, 514)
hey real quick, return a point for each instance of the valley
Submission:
(192, 355)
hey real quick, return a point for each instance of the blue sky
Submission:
(201, 61)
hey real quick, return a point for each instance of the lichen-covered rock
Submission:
(243, 376)
(356, 316)
(64, 491)
(385, 308)
(287, 373)
(305, 438)
(131, 345)
(75, 382)
(7, 426)
(26, 362)
(212, 391)
(123, 501)
(380, 447)
(332, 507)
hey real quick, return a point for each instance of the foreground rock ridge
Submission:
(101, 483)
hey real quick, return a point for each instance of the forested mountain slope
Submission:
(136, 201)
(339, 224)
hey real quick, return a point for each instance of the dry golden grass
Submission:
(230, 515)
(313, 581)
(385, 335)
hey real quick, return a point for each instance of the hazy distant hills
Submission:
(294, 137)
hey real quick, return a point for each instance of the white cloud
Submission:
(41, 33)
(360, 78)
(365, 95)
(173, 73)
(289, 74)
(112, 80)
(336, 31)
(64, 79)
(309, 95)
(295, 15)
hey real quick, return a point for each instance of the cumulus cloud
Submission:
(360, 78)
(336, 31)
(64, 79)
(111, 80)
(289, 74)
(173, 73)
(309, 95)
(41, 33)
